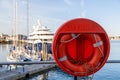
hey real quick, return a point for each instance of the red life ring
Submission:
(81, 47)
(91, 62)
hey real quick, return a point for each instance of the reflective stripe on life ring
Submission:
(88, 66)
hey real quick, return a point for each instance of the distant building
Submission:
(21, 37)
(4, 38)
(114, 37)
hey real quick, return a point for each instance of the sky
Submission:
(53, 13)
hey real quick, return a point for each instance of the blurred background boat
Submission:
(37, 48)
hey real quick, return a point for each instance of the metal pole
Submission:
(10, 67)
(23, 68)
(75, 77)
(27, 63)
(16, 67)
(79, 78)
(44, 62)
(113, 61)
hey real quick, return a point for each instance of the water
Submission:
(108, 72)
(4, 50)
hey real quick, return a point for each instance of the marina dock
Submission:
(26, 71)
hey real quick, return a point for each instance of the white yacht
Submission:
(41, 38)
(40, 34)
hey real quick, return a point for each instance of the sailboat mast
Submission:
(15, 11)
(15, 21)
(27, 17)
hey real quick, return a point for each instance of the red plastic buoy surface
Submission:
(81, 47)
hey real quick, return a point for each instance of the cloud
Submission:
(68, 2)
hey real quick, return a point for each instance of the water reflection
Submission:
(40, 77)
(4, 50)
(55, 74)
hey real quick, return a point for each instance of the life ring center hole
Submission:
(80, 50)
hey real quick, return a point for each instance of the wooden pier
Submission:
(26, 71)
